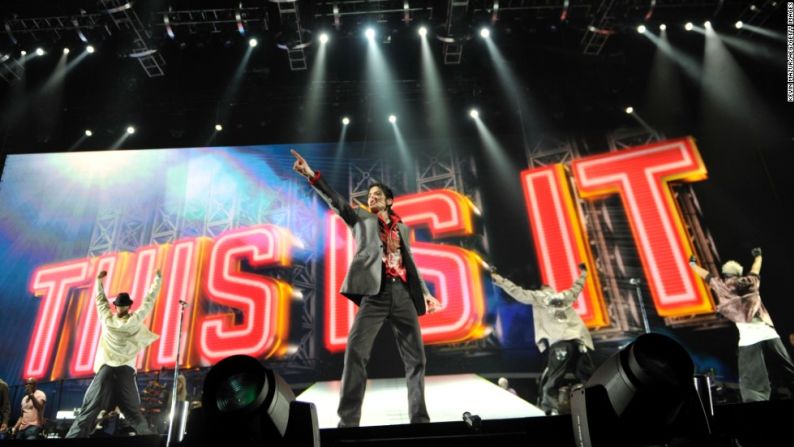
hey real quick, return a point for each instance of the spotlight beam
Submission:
(434, 97)
(117, 144)
(691, 67)
(764, 32)
(645, 125)
(497, 154)
(233, 85)
(77, 143)
(402, 148)
(316, 88)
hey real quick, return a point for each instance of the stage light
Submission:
(707, 24)
(238, 17)
(245, 403)
(324, 38)
(90, 49)
(130, 130)
(739, 24)
(392, 119)
(345, 121)
(40, 51)
(629, 110)
(422, 31)
(474, 113)
(641, 29)
(88, 132)
(370, 33)
(23, 53)
(689, 26)
(66, 50)
(645, 393)
(218, 127)
(485, 33)
(662, 27)
(252, 42)
(168, 30)
(79, 32)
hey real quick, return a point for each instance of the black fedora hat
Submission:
(123, 300)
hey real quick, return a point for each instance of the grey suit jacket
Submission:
(366, 269)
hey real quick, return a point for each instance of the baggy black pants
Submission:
(564, 356)
(393, 303)
(111, 385)
(760, 362)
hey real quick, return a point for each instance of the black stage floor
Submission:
(758, 424)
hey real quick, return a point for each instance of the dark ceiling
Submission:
(571, 83)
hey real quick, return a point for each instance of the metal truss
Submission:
(212, 20)
(166, 222)
(550, 150)
(124, 17)
(54, 27)
(10, 69)
(625, 138)
(221, 211)
(599, 30)
(294, 45)
(132, 228)
(42, 28)
(304, 273)
(435, 171)
(360, 176)
(381, 10)
(104, 233)
(456, 30)
(498, 7)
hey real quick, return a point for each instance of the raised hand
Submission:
(301, 166)
(102, 274)
(756, 252)
(693, 260)
(582, 267)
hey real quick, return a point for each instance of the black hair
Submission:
(386, 190)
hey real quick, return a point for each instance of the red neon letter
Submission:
(52, 283)
(560, 242)
(455, 272)
(264, 301)
(641, 176)
(180, 282)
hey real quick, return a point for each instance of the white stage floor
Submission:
(446, 397)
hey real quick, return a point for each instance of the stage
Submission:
(447, 398)
(756, 424)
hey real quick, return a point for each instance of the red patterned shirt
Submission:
(390, 235)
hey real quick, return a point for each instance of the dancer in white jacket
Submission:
(123, 336)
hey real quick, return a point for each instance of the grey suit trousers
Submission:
(393, 303)
(111, 386)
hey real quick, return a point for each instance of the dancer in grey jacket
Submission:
(560, 329)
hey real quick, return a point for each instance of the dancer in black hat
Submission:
(123, 336)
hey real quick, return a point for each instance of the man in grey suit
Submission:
(384, 282)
